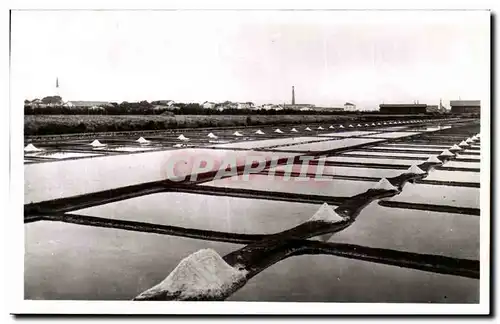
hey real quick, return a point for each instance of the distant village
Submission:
(56, 103)
(161, 105)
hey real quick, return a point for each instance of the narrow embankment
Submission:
(39, 125)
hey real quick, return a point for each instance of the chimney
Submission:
(293, 95)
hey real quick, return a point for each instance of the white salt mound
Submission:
(469, 140)
(351, 125)
(212, 135)
(385, 185)
(373, 124)
(320, 127)
(308, 129)
(434, 159)
(278, 131)
(32, 148)
(378, 124)
(203, 275)
(415, 170)
(341, 126)
(182, 137)
(237, 134)
(96, 143)
(359, 125)
(325, 213)
(294, 130)
(259, 132)
(142, 140)
(446, 153)
(331, 127)
(463, 143)
(455, 147)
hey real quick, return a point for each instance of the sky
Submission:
(364, 57)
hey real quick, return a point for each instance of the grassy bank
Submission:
(70, 124)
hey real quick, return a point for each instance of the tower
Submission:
(293, 95)
(57, 86)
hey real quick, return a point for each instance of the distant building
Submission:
(414, 108)
(432, 109)
(465, 106)
(348, 106)
(244, 105)
(87, 104)
(167, 103)
(208, 105)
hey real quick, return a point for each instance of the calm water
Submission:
(341, 171)
(393, 134)
(270, 142)
(439, 195)
(327, 145)
(66, 261)
(46, 181)
(341, 188)
(351, 159)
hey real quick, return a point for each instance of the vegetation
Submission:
(68, 124)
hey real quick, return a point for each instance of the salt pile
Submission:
(341, 126)
(212, 135)
(183, 138)
(474, 138)
(385, 185)
(320, 128)
(237, 134)
(294, 130)
(142, 140)
(385, 123)
(203, 275)
(308, 129)
(325, 213)
(415, 169)
(378, 123)
(259, 132)
(350, 125)
(446, 153)
(434, 159)
(455, 147)
(373, 124)
(278, 131)
(32, 148)
(463, 143)
(469, 140)
(359, 125)
(367, 125)
(331, 127)
(96, 143)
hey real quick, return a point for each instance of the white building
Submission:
(244, 105)
(208, 105)
(348, 106)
